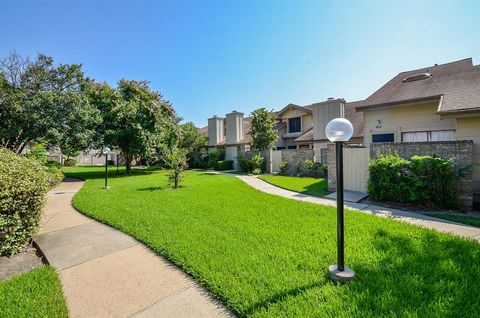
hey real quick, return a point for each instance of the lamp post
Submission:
(338, 131)
(106, 151)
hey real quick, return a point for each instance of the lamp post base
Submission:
(106, 188)
(341, 276)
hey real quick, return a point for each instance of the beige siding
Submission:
(234, 127)
(469, 129)
(323, 113)
(307, 122)
(215, 130)
(398, 119)
(355, 169)
(294, 112)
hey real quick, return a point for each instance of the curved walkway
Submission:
(106, 273)
(410, 217)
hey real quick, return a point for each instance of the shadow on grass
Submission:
(87, 173)
(424, 275)
(279, 297)
(318, 189)
(151, 189)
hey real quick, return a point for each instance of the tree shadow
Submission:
(424, 274)
(318, 189)
(151, 189)
(96, 173)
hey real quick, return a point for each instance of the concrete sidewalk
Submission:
(106, 273)
(409, 217)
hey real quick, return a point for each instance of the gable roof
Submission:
(290, 106)
(356, 118)
(455, 85)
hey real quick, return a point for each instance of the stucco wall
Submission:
(406, 118)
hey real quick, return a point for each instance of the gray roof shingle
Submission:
(456, 85)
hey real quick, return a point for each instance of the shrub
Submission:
(55, 176)
(23, 185)
(38, 153)
(253, 164)
(284, 167)
(315, 169)
(199, 165)
(53, 163)
(389, 179)
(215, 156)
(70, 162)
(224, 165)
(425, 180)
(433, 181)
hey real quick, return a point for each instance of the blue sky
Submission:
(211, 57)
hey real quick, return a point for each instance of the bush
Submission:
(55, 176)
(434, 181)
(253, 164)
(199, 165)
(389, 178)
(425, 180)
(38, 153)
(70, 162)
(215, 156)
(284, 167)
(315, 169)
(53, 163)
(23, 185)
(224, 165)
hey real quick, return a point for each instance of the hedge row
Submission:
(425, 180)
(23, 185)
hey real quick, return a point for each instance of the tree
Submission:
(175, 160)
(135, 119)
(191, 139)
(44, 102)
(263, 133)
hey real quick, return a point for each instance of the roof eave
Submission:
(405, 101)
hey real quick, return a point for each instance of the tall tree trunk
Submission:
(128, 164)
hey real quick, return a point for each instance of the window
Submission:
(438, 135)
(383, 138)
(294, 125)
(280, 148)
(292, 147)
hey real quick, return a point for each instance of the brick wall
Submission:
(296, 159)
(461, 153)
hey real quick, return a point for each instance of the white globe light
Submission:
(106, 151)
(339, 129)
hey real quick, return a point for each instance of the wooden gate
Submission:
(355, 169)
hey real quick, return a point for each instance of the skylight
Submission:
(416, 77)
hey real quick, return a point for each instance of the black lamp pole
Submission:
(340, 218)
(106, 171)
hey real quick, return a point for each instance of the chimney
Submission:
(215, 130)
(234, 125)
(324, 112)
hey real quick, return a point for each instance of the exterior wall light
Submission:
(340, 130)
(106, 151)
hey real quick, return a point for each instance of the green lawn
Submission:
(37, 293)
(267, 256)
(312, 186)
(465, 219)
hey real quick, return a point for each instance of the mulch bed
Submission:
(25, 260)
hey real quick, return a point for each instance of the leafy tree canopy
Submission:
(263, 133)
(44, 102)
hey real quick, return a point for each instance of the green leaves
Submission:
(426, 180)
(263, 133)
